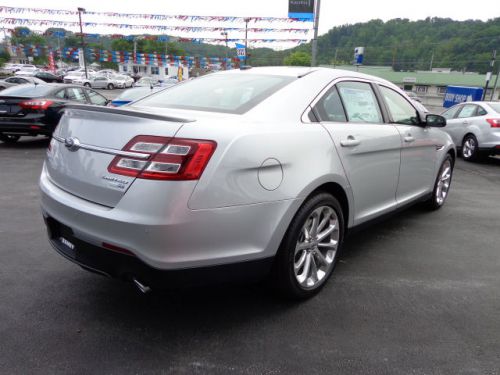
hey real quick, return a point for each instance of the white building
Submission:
(161, 73)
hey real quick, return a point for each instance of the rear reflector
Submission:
(169, 158)
(494, 122)
(117, 249)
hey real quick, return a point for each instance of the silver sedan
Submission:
(238, 174)
(475, 128)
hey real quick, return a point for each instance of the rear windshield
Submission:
(495, 106)
(27, 90)
(135, 93)
(227, 93)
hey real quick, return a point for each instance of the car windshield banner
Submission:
(301, 9)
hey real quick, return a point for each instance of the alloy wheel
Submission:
(469, 147)
(316, 247)
(443, 182)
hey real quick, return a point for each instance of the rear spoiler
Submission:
(126, 112)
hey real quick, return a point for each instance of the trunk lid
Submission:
(101, 132)
(9, 106)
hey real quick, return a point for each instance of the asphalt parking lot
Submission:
(416, 294)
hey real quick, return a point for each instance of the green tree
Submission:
(298, 58)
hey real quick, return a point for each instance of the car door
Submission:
(418, 150)
(368, 148)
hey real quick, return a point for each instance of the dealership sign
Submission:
(301, 9)
(460, 94)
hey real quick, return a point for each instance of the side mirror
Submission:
(435, 121)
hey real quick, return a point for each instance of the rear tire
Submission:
(111, 86)
(86, 84)
(9, 139)
(309, 251)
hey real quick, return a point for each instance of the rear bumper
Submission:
(165, 234)
(493, 150)
(24, 127)
(127, 267)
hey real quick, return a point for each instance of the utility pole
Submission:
(488, 75)
(247, 20)
(496, 83)
(80, 10)
(314, 44)
(224, 34)
(432, 60)
(335, 57)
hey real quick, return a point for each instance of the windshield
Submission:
(495, 106)
(27, 90)
(235, 93)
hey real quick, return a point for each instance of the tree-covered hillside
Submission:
(409, 45)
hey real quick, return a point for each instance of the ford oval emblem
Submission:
(72, 144)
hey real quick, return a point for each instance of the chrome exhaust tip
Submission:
(143, 288)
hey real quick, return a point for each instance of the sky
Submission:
(332, 13)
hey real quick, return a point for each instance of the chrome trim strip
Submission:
(104, 150)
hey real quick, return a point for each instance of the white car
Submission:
(123, 81)
(103, 82)
(27, 69)
(78, 77)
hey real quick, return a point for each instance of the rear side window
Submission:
(402, 112)
(360, 102)
(235, 93)
(329, 107)
(468, 110)
(481, 111)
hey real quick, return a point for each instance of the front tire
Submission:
(441, 185)
(110, 86)
(9, 139)
(470, 148)
(86, 84)
(309, 251)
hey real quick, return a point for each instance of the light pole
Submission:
(80, 10)
(314, 44)
(247, 20)
(224, 34)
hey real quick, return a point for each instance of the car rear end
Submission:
(26, 110)
(489, 129)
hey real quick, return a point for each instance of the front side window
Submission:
(402, 112)
(450, 113)
(96, 98)
(329, 107)
(468, 110)
(360, 102)
(76, 94)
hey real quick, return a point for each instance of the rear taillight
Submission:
(168, 158)
(36, 104)
(494, 122)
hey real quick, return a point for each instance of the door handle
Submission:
(409, 139)
(465, 122)
(350, 142)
